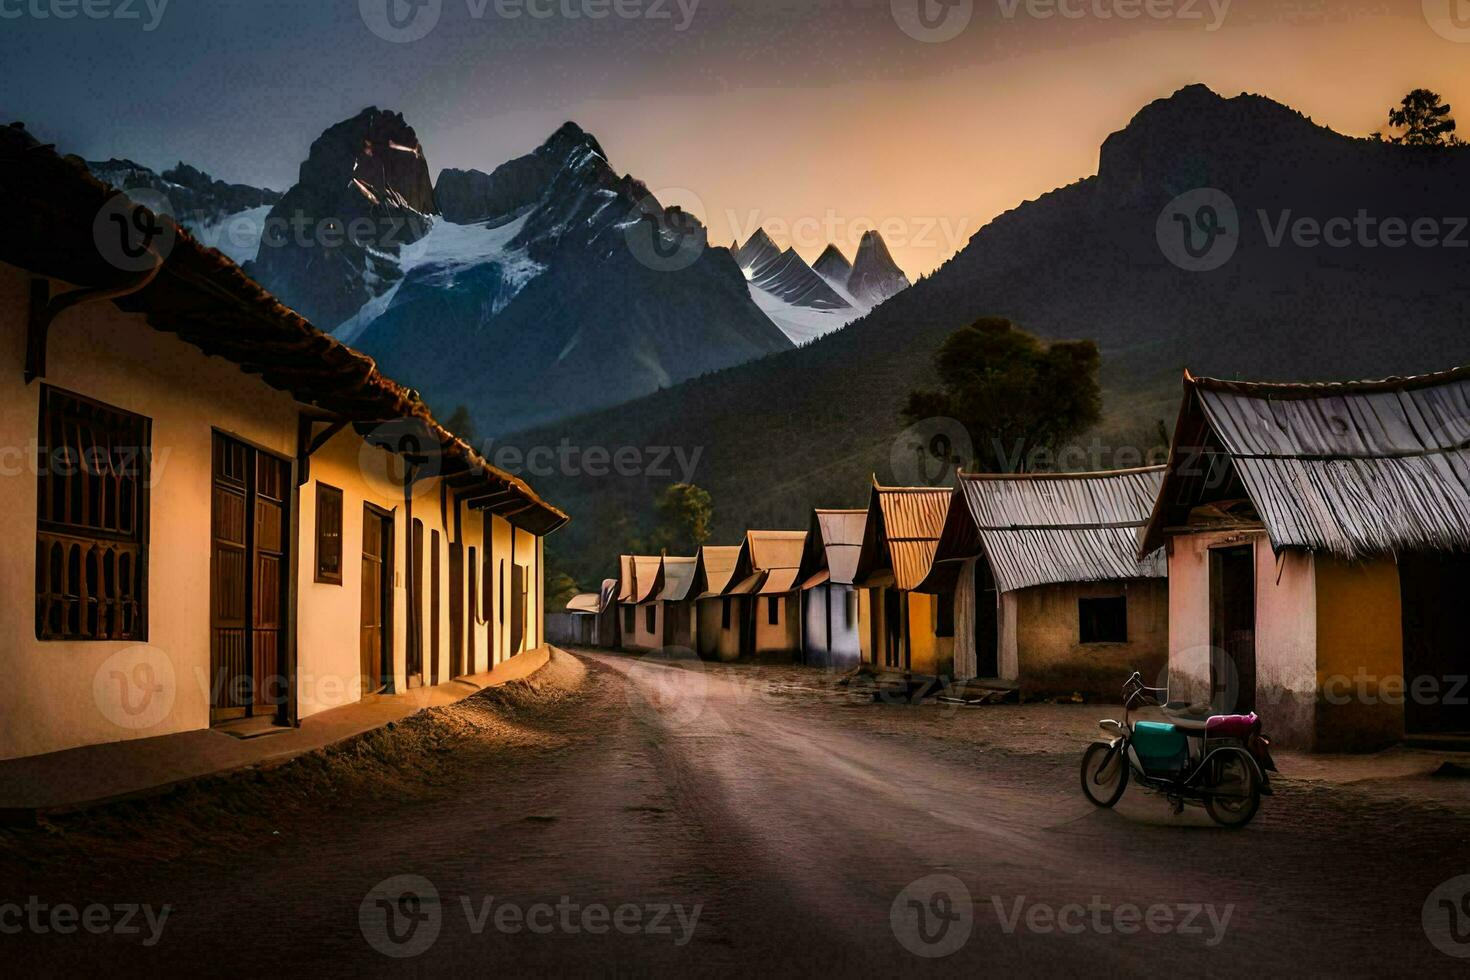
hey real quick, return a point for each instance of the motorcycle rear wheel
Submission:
(1234, 775)
(1107, 790)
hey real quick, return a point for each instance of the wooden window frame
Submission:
(325, 491)
(53, 534)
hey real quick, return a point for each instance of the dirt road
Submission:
(675, 816)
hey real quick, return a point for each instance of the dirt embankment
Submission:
(415, 758)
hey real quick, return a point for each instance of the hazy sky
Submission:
(814, 118)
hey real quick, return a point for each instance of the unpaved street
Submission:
(675, 816)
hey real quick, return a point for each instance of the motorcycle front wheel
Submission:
(1104, 773)
(1235, 791)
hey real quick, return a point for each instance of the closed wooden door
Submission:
(517, 608)
(247, 587)
(456, 610)
(416, 604)
(987, 622)
(434, 607)
(376, 581)
(472, 653)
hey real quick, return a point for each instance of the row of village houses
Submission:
(1304, 553)
(238, 521)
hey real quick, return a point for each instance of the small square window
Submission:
(1103, 620)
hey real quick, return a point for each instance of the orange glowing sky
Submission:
(814, 118)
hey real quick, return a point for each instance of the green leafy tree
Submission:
(684, 514)
(1013, 393)
(1425, 119)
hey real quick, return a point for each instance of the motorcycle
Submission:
(1219, 762)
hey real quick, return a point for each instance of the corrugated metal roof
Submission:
(775, 549)
(626, 584)
(842, 539)
(1042, 528)
(1354, 469)
(584, 604)
(645, 578)
(779, 580)
(678, 575)
(901, 531)
(716, 565)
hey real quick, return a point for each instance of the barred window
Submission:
(328, 534)
(92, 521)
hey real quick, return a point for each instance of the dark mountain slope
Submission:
(1089, 260)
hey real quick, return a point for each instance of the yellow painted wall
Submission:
(1360, 655)
(928, 653)
(58, 695)
(1052, 658)
(783, 638)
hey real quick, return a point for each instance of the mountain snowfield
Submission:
(446, 253)
(806, 303)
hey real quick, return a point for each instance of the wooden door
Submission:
(472, 654)
(434, 577)
(456, 609)
(248, 585)
(377, 571)
(1432, 589)
(987, 622)
(517, 608)
(1233, 629)
(416, 605)
(892, 627)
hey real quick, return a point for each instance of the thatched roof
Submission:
(1353, 469)
(203, 298)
